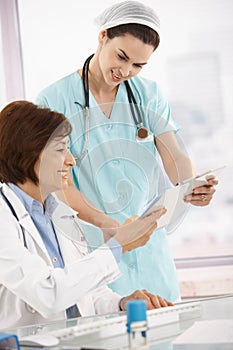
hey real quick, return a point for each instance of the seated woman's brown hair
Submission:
(25, 129)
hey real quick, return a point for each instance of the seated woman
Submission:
(47, 272)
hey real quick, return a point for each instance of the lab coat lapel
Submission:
(69, 236)
(63, 218)
(27, 223)
(24, 218)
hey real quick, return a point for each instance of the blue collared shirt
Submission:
(41, 217)
(42, 220)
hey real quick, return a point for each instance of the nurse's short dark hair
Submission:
(25, 129)
(139, 31)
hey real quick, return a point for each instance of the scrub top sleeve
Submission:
(52, 98)
(160, 118)
(41, 101)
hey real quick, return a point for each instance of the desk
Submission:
(160, 335)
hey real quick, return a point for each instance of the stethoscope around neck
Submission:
(142, 132)
(14, 213)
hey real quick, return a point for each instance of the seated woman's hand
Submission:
(136, 232)
(108, 226)
(152, 301)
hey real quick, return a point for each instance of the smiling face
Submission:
(122, 57)
(53, 166)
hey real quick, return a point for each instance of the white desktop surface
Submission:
(160, 336)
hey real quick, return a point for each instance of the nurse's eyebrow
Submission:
(127, 57)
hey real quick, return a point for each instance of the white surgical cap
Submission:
(128, 12)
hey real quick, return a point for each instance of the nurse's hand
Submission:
(152, 301)
(136, 233)
(201, 196)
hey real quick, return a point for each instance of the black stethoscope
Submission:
(142, 132)
(15, 215)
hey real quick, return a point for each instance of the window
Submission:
(11, 67)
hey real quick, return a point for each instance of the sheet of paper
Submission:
(173, 201)
(173, 198)
(207, 332)
(202, 179)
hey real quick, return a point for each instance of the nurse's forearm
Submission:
(179, 169)
(86, 210)
(176, 163)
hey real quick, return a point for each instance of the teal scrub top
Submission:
(120, 174)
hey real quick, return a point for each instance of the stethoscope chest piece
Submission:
(142, 133)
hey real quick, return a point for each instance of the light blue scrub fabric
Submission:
(118, 173)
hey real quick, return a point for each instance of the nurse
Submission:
(46, 272)
(122, 128)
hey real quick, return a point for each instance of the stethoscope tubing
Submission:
(142, 132)
(15, 215)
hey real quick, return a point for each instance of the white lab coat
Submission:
(31, 289)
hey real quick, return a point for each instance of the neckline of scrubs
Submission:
(119, 98)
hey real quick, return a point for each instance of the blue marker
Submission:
(136, 319)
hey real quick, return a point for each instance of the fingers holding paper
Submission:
(202, 195)
(136, 233)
